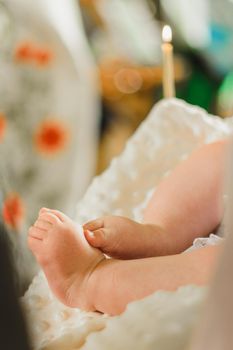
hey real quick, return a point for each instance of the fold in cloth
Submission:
(204, 242)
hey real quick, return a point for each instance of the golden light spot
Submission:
(128, 80)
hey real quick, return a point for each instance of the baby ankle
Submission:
(92, 284)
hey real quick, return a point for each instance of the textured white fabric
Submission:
(203, 242)
(163, 321)
(170, 133)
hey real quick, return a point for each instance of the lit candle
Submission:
(168, 68)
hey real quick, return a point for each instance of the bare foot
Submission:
(65, 256)
(122, 238)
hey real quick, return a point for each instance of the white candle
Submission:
(168, 68)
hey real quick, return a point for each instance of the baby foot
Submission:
(122, 238)
(65, 256)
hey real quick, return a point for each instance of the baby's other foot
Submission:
(122, 238)
(65, 256)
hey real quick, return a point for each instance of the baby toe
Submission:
(42, 224)
(49, 217)
(34, 244)
(43, 210)
(61, 216)
(37, 233)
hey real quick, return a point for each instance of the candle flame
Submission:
(167, 33)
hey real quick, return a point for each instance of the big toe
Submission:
(44, 210)
(61, 216)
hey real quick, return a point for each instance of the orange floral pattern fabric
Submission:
(45, 136)
(32, 53)
(13, 210)
(2, 126)
(48, 106)
(51, 137)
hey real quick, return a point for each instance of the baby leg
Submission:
(123, 281)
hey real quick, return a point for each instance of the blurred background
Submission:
(76, 80)
(125, 39)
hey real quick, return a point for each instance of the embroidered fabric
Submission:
(49, 103)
